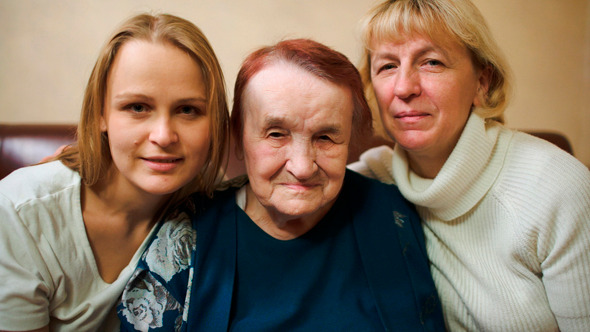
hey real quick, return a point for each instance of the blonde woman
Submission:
(506, 216)
(152, 130)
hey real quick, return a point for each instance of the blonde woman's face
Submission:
(156, 118)
(425, 90)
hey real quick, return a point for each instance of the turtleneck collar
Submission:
(464, 179)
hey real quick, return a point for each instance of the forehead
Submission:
(285, 92)
(137, 58)
(421, 43)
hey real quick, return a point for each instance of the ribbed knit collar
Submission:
(464, 179)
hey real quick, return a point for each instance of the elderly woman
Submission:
(304, 245)
(506, 216)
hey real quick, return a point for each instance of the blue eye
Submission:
(433, 63)
(188, 110)
(137, 108)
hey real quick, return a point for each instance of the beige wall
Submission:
(48, 47)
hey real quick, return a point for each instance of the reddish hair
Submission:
(316, 59)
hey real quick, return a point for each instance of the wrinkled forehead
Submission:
(283, 92)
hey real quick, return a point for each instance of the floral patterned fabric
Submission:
(162, 295)
(149, 301)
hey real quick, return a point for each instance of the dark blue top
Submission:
(312, 283)
(364, 264)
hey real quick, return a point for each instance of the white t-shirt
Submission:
(47, 268)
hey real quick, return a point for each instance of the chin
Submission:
(298, 211)
(162, 189)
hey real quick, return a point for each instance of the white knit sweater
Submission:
(507, 227)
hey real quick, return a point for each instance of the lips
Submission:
(410, 118)
(162, 164)
(411, 114)
(300, 187)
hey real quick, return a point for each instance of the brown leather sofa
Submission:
(26, 144)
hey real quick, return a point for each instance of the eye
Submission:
(276, 134)
(386, 67)
(325, 138)
(433, 63)
(190, 110)
(137, 108)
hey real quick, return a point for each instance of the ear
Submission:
(483, 84)
(103, 124)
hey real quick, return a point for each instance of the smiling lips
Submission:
(162, 164)
(410, 117)
(300, 187)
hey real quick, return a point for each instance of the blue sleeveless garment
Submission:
(374, 232)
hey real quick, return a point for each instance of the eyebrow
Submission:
(132, 95)
(273, 121)
(421, 52)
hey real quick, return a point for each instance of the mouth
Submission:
(162, 164)
(411, 116)
(301, 187)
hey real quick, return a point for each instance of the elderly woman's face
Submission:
(425, 90)
(297, 129)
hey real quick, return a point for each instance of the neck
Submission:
(133, 208)
(425, 167)
(427, 164)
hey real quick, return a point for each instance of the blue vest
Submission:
(390, 242)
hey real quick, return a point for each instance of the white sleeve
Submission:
(564, 251)
(24, 295)
(375, 163)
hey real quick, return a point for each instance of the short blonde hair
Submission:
(91, 155)
(458, 19)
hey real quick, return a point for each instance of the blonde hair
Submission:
(458, 19)
(91, 155)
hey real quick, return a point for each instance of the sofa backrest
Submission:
(26, 144)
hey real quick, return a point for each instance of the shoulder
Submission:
(365, 191)
(375, 163)
(358, 179)
(38, 181)
(538, 163)
(542, 184)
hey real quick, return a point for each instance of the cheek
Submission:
(119, 143)
(383, 94)
(201, 141)
(333, 163)
(262, 160)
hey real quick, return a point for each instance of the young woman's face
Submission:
(156, 118)
(425, 91)
(297, 129)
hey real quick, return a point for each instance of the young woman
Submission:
(152, 130)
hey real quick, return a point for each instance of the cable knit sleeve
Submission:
(375, 163)
(550, 194)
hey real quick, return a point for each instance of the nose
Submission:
(163, 132)
(301, 161)
(407, 83)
